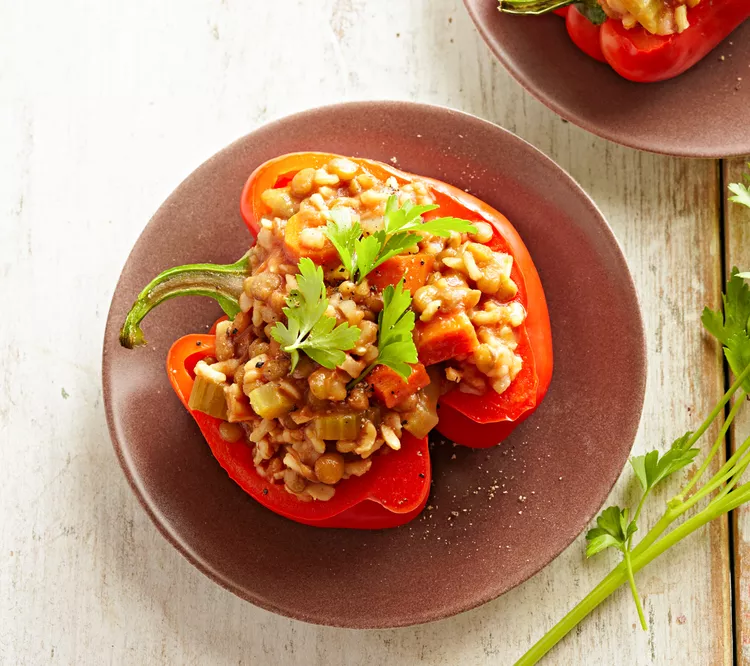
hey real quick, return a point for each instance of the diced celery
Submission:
(647, 12)
(208, 397)
(424, 417)
(269, 402)
(338, 426)
(420, 421)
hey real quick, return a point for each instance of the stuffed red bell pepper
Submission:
(643, 40)
(370, 298)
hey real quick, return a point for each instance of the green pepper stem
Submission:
(223, 283)
(532, 7)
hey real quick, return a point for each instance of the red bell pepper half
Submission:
(635, 53)
(392, 493)
(396, 487)
(534, 337)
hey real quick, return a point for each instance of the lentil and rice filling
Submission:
(310, 427)
(659, 17)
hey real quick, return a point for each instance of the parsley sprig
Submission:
(396, 347)
(730, 328)
(741, 191)
(722, 493)
(308, 329)
(615, 530)
(360, 255)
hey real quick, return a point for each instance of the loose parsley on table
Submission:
(741, 191)
(722, 493)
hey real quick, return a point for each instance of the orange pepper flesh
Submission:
(412, 268)
(295, 249)
(444, 337)
(391, 388)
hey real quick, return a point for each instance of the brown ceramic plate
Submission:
(703, 113)
(564, 459)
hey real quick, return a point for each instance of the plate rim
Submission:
(110, 340)
(593, 128)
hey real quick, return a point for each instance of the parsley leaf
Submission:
(443, 226)
(409, 218)
(741, 191)
(613, 531)
(307, 328)
(732, 327)
(375, 249)
(362, 255)
(343, 231)
(326, 344)
(737, 353)
(651, 469)
(367, 250)
(592, 11)
(396, 347)
(406, 217)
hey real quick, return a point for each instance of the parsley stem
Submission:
(725, 427)
(634, 589)
(728, 469)
(735, 477)
(619, 574)
(638, 512)
(629, 542)
(678, 506)
(364, 374)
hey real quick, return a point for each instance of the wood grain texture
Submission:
(104, 108)
(737, 242)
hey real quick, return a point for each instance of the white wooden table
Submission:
(104, 108)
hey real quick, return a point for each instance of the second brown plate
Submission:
(702, 113)
(477, 540)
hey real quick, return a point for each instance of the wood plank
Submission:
(737, 241)
(109, 106)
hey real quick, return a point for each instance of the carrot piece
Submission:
(295, 249)
(391, 388)
(445, 337)
(413, 268)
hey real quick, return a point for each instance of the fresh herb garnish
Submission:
(396, 347)
(343, 231)
(592, 11)
(741, 191)
(731, 328)
(722, 492)
(615, 530)
(308, 328)
(362, 255)
(371, 251)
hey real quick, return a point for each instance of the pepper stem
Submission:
(223, 283)
(532, 7)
